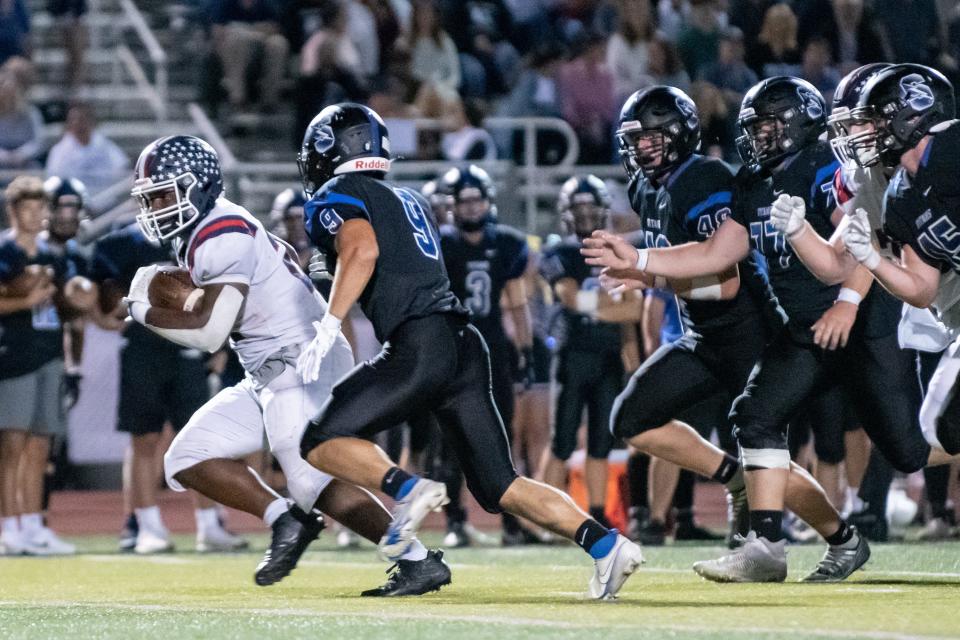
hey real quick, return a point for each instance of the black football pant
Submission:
(438, 364)
(878, 376)
(591, 380)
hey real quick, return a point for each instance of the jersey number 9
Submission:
(422, 233)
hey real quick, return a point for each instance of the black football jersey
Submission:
(409, 280)
(690, 207)
(808, 174)
(479, 272)
(581, 332)
(923, 211)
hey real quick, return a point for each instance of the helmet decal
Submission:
(811, 105)
(915, 92)
(324, 139)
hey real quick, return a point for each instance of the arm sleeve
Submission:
(230, 257)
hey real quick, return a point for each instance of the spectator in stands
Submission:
(73, 28)
(388, 30)
(587, 100)
(699, 39)
(730, 73)
(848, 26)
(818, 68)
(776, 53)
(671, 18)
(86, 154)
(465, 138)
(21, 126)
(245, 31)
(535, 94)
(747, 15)
(715, 120)
(434, 56)
(912, 28)
(664, 66)
(627, 48)
(362, 28)
(14, 30)
(481, 31)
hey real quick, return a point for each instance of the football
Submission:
(172, 288)
(33, 276)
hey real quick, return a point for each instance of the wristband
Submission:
(849, 295)
(643, 255)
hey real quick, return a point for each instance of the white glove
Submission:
(138, 298)
(858, 237)
(787, 215)
(308, 364)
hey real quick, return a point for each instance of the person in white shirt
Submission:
(86, 154)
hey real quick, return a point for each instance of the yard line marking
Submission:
(507, 622)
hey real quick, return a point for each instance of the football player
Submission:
(387, 256)
(255, 294)
(286, 222)
(904, 119)
(486, 261)
(781, 120)
(588, 368)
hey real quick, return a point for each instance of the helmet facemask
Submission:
(650, 151)
(584, 216)
(166, 222)
(471, 209)
(763, 139)
(858, 136)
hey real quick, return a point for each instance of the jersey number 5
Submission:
(422, 231)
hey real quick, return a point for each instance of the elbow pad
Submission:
(212, 335)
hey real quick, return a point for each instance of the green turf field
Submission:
(910, 591)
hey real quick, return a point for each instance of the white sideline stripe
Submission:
(123, 557)
(506, 622)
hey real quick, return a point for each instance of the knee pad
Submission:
(489, 491)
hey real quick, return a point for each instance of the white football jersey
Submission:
(231, 245)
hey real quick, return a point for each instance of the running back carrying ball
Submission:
(172, 288)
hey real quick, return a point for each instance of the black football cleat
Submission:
(292, 534)
(414, 577)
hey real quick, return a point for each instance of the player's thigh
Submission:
(229, 425)
(671, 380)
(472, 427)
(778, 386)
(19, 400)
(710, 414)
(939, 391)
(883, 382)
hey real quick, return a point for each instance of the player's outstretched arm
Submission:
(913, 280)
(357, 253)
(827, 260)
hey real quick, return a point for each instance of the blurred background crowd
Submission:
(529, 89)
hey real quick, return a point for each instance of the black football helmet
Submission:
(583, 205)
(343, 138)
(473, 193)
(845, 99)
(68, 199)
(441, 200)
(188, 168)
(901, 104)
(659, 128)
(779, 117)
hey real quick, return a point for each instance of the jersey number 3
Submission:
(422, 231)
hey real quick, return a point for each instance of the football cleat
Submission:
(292, 534)
(936, 529)
(651, 533)
(612, 570)
(149, 542)
(456, 537)
(524, 536)
(44, 542)
(414, 577)
(424, 497)
(870, 525)
(755, 560)
(841, 560)
(128, 534)
(218, 540)
(12, 543)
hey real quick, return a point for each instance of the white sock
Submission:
(11, 526)
(416, 552)
(274, 510)
(206, 519)
(854, 503)
(30, 523)
(148, 518)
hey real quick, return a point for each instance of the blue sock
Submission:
(604, 545)
(595, 539)
(406, 487)
(397, 483)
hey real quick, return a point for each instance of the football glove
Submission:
(787, 215)
(858, 237)
(317, 268)
(308, 364)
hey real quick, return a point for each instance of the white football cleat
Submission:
(44, 542)
(12, 543)
(424, 497)
(218, 539)
(149, 542)
(612, 570)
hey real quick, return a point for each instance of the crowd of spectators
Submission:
(576, 59)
